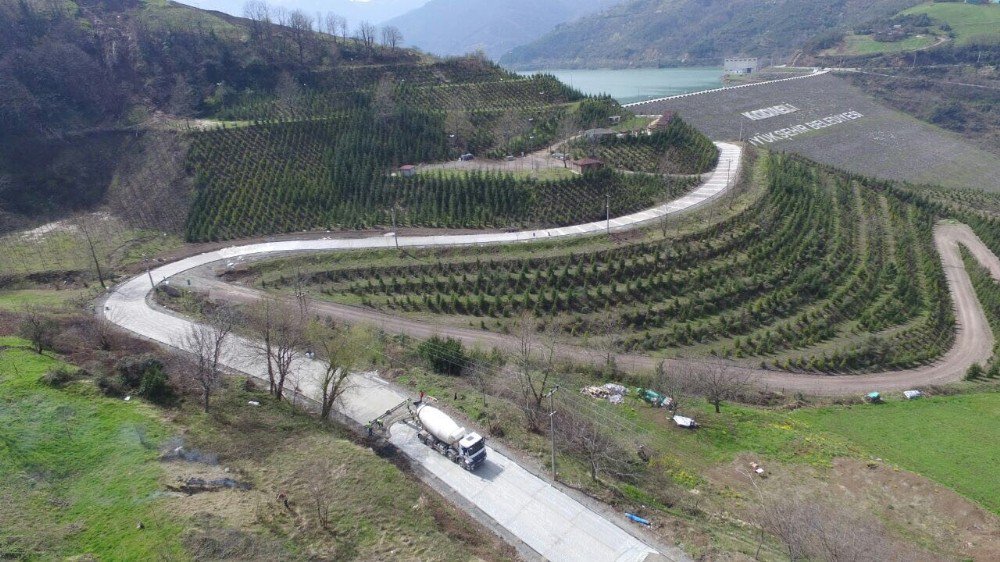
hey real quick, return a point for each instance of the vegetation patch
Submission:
(80, 471)
(824, 274)
(970, 23)
(941, 437)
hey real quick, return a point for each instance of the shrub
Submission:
(132, 370)
(994, 371)
(446, 356)
(975, 372)
(156, 387)
(110, 386)
(58, 378)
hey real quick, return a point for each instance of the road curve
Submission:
(550, 522)
(973, 340)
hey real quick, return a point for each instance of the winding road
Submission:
(546, 521)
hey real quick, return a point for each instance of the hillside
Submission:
(456, 27)
(93, 85)
(374, 11)
(671, 32)
(235, 128)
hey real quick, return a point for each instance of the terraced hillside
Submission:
(321, 159)
(835, 123)
(821, 272)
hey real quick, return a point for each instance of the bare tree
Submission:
(321, 474)
(280, 335)
(599, 446)
(183, 100)
(259, 14)
(674, 386)
(301, 27)
(814, 529)
(391, 37)
(384, 97)
(281, 15)
(81, 223)
(289, 93)
(344, 29)
(605, 333)
(720, 383)
(333, 23)
(510, 125)
(38, 328)
(208, 342)
(365, 33)
(532, 370)
(341, 353)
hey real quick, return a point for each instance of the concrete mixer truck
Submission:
(435, 429)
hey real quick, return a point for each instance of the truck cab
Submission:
(472, 450)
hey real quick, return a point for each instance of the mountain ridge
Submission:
(679, 32)
(456, 27)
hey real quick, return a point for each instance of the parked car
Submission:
(466, 157)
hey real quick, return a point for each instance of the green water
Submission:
(640, 84)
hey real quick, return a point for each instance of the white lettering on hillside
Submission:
(769, 112)
(795, 130)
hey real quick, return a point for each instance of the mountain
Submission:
(356, 11)
(454, 27)
(672, 32)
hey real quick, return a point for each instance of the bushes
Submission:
(446, 356)
(60, 377)
(143, 375)
(156, 388)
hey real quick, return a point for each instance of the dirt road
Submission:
(973, 341)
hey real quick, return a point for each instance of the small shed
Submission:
(615, 119)
(408, 170)
(589, 164)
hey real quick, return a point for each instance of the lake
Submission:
(639, 84)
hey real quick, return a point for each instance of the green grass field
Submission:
(950, 439)
(969, 22)
(17, 300)
(66, 248)
(79, 470)
(867, 45)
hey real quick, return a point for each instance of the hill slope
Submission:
(656, 32)
(455, 27)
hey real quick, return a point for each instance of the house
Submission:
(741, 65)
(589, 164)
(408, 170)
(595, 135)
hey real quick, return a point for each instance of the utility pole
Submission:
(145, 260)
(552, 428)
(607, 210)
(395, 233)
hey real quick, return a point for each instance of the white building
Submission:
(741, 65)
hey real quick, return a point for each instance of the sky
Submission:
(374, 11)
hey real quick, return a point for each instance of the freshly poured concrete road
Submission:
(553, 524)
